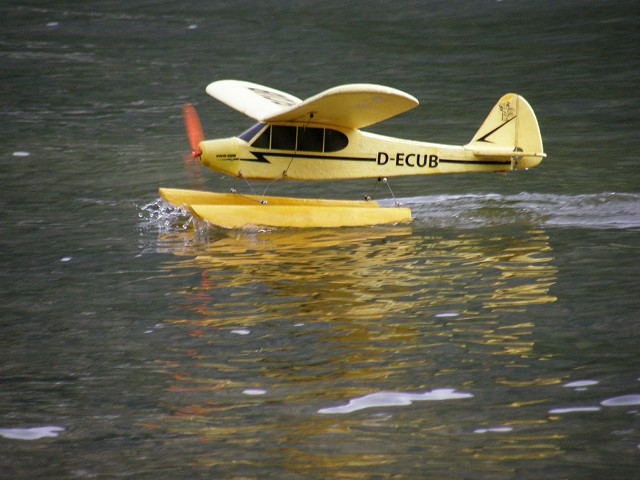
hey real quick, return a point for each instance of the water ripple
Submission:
(395, 399)
(33, 433)
(597, 210)
(623, 401)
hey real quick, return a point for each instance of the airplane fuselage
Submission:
(319, 152)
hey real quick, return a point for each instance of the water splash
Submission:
(164, 216)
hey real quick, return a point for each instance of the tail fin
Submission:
(510, 130)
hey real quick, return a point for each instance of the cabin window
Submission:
(310, 139)
(283, 138)
(304, 139)
(252, 131)
(334, 140)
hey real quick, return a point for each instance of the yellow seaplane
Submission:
(320, 138)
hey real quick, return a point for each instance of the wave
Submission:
(598, 210)
(593, 211)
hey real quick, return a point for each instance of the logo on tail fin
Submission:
(508, 112)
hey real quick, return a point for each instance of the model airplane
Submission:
(320, 138)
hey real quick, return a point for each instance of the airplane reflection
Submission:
(315, 318)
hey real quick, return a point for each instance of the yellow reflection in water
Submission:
(340, 313)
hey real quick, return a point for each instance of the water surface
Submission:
(494, 337)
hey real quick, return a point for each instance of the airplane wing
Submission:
(255, 101)
(352, 106)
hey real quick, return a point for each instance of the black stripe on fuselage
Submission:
(260, 157)
(476, 162)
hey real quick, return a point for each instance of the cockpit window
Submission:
(304, 139)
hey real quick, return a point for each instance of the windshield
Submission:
(251, 132)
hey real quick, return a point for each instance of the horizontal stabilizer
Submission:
(501, 151)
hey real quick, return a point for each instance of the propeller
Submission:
(194, 128)
(195, 135)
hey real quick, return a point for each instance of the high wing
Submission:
(351, 106)
(255, 101)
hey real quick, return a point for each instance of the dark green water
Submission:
(496, 337)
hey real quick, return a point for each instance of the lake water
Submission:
(495, 337)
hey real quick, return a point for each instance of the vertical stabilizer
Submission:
(510, 129)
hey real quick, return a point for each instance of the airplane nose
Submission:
(220, 155)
